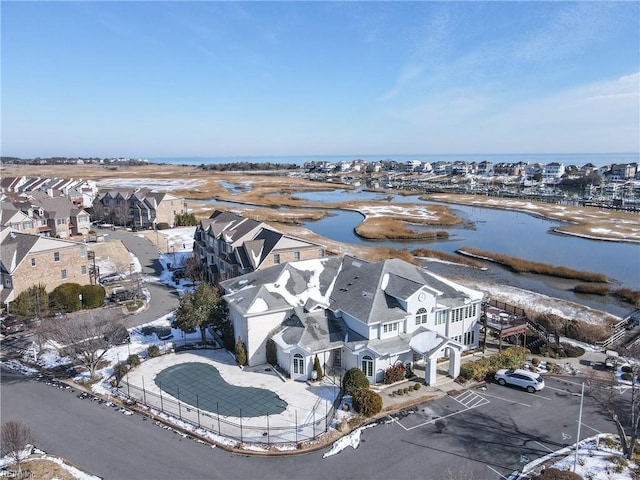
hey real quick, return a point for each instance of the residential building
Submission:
(228, 245)
(412, 165)
(28, 260)
(352, 313)
(552, 172)
(138, 208)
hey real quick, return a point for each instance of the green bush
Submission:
(153, 351)
(535, 362)
(66, 297)
(133, 360)
(92, 296)
(119, 371)
(354, 380)
(162, 226)
(478, 370)
(367, 402)
(417, 386)
(408, 371)
(32, 301)
(400, 391)
(406, 390)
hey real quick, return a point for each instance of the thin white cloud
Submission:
(571, 29)
(601, 116)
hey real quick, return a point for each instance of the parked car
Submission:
(612, 359)
(530, 381)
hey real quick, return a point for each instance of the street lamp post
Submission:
(80, 298)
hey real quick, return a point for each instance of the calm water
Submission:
(511, 233)
(579, 159)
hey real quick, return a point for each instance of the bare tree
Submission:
(86, 336)
(15, 438)
(625, 415)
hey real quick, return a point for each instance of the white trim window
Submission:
(421, 316)
(441, 317)
(470, 337)
(390, 327)
(298, 364)
(56, 256)
(367, 366)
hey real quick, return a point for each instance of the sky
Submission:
(164, 79)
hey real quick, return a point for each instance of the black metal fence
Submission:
(299, 425)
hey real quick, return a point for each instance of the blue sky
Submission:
(161, 79)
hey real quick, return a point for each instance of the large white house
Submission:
(353, 313)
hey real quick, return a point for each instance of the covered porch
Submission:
(431, 346)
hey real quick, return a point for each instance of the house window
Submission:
(83, 269)
(296, 255)
(390, 327)
(7, 282)
(470, 337)
(83, 251)
(56, 256)
(441, 317)
(33, 262)
(421, 316)
(367, 365)
(63, 274)
(298, 364)
(276, 258)
(321, 252)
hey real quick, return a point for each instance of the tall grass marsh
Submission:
(520, 265)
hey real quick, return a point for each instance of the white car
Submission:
(530, 381)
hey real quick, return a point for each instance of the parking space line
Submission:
(562, 390)
(471, 399)
(506, 400)
(537, 395)
(585, 425)
(496, 472)
(544, 446)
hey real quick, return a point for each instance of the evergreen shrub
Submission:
(367, 402)
(153, 351)
(354, 380)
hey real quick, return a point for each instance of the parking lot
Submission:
(488, 432)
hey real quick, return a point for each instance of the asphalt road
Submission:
(489, 433)
(164, 299)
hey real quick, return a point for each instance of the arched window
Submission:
(367, 365)
(421, 316)
(298, 364)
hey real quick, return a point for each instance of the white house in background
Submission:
(352, 313)
(552, 172)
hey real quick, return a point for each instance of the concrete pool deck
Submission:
(306, 403)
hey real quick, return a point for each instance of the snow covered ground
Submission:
(594, 463)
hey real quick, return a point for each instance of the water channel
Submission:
(501, 231)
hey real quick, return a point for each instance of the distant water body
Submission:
(579, 159)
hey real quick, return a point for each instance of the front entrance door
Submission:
(337, 358)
